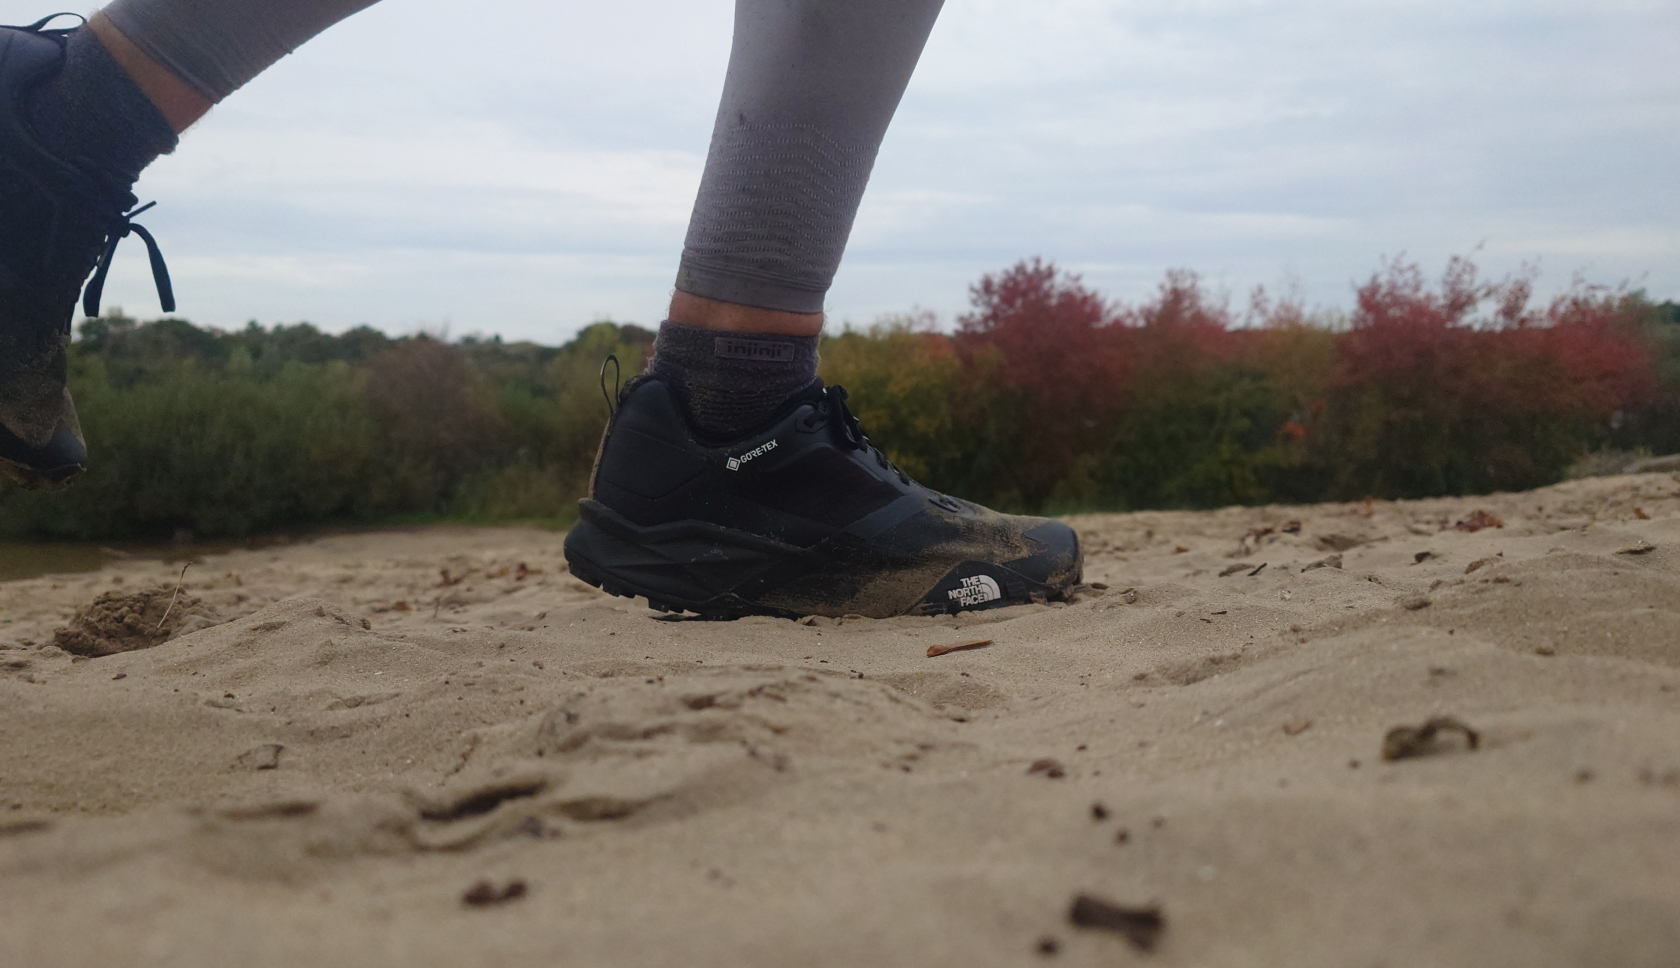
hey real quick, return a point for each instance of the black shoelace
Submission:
(123, 226)
(835, 406)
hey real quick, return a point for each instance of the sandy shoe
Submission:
(805, 517)
(59, 222)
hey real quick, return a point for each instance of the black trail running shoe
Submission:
(803, 518)
(59, 221)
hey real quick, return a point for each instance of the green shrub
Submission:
(1048, 397)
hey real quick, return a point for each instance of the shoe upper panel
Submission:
(55, 217)
(681, 520)
(792, 481)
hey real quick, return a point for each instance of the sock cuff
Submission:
(92, 112)
(729, 382)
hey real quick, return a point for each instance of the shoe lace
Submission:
(852, 432)
(121, 228)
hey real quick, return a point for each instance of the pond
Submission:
(26, 559)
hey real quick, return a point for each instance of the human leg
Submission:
(82, 113)
(731, 481)
(811, 88)
(216, 46)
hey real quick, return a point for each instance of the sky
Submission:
(525, 167)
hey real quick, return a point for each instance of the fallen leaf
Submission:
(1479, 520)
(1404, 742)
(1296, 727)
(484, 893)
(1049, 766)
(934, 651)
(1142, 926)
(265, 757)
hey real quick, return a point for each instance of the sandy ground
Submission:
(322, 778)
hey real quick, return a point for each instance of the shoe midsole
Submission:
(708, 568)
(687, 563)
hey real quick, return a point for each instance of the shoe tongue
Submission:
(813, 394)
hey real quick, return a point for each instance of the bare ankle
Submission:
(688, 309)
(179, 104)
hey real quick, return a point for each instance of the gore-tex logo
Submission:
(734, 463)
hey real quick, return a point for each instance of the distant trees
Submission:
(1459, 386)
(1047, 396)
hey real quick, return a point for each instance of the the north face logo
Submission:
(734, 463)
(976, 591)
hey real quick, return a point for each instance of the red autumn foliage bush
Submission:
(1432, 396)
(1461, 386)
(1044, 375)
(1048, 397)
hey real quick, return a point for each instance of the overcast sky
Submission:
(523, 167)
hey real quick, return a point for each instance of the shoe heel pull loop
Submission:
(36, 27)
(612, 398)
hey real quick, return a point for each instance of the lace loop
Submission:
(122, 229)
(40, 26)
(852, 431)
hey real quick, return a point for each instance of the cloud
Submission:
(531, 171)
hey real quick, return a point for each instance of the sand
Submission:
(361, 765)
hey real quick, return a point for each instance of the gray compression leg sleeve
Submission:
(215, 46)
(811, 87)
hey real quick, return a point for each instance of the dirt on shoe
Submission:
(804, 517)
(126, 621)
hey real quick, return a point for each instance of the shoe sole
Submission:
(708, 570)
(35, 478)
(687, 566)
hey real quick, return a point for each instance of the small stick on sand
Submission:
(173, 597)
(934, 651)
(1403, 742)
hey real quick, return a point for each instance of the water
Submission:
(23, 559)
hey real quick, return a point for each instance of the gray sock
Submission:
(216, 46)
(93, 116)
(812, 85)
(731, 383)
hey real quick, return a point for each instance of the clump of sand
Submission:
(124, 621)
(1423, 732)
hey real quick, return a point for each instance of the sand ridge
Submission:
(326, 775)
